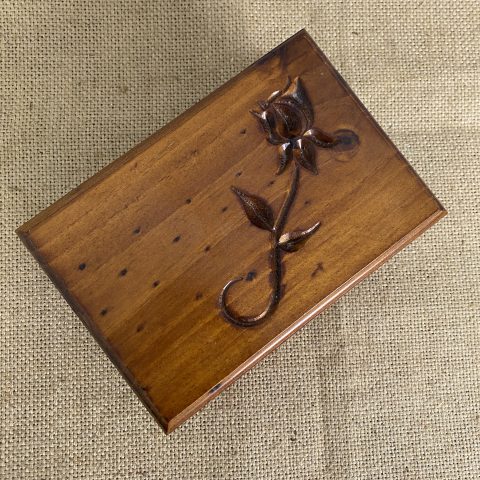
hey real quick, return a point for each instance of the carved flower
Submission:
(287, 118)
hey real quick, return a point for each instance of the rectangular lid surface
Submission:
(142, 250)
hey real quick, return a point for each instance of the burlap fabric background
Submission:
(383, 385)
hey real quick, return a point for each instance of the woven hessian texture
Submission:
(384, 385)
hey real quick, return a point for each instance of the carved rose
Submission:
(287, 119)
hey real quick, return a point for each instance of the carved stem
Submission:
(287, 203)
(275, 264)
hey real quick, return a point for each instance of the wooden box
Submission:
(206, 246)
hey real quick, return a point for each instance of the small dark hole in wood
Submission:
(207, 248)
(319, 268)
(104, 312)
(198, 295)
(176, 239)
(307, 202)
(238, 174)
(243, 131)
(136, 231)
(82, 266)
(250, 276)
(271, 182)
(123, 272)
(156, 283)
(224, 209)
(140, 327)
(188, 200)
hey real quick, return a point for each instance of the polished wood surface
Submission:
(142, 250)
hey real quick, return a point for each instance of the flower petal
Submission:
(304, 153)
(321, 138)
(290, 119)
(285, 155)
(296, 93)
(263, 105)
(273, 96)
(267, 121)
(277, 93)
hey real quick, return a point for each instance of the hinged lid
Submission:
(280, 177)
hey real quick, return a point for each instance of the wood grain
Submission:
(142, 249)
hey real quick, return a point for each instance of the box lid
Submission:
(281, 178)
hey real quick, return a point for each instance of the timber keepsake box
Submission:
(206, 246)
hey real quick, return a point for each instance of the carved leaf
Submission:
(257, 209)
(305, 155)
(321, 138)
(291, 242)
(284, 156)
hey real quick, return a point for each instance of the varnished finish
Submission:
(286, 117)
(142, 249)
